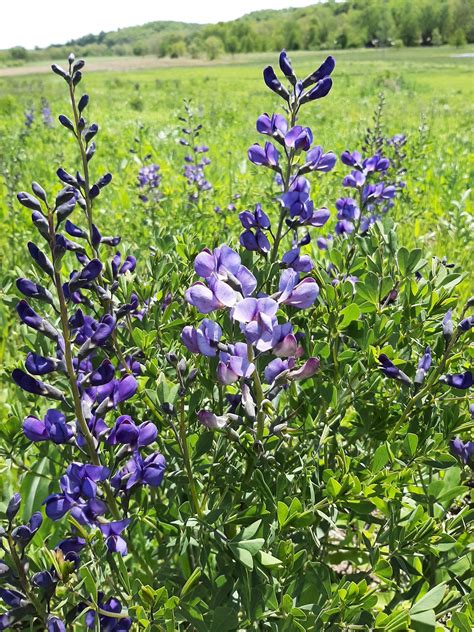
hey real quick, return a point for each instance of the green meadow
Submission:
(429, 97)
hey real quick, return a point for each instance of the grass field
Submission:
(348, 476)
(428, 96)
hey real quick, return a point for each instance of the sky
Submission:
(31, 23)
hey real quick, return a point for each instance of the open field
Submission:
(430, 89)
(265, 474)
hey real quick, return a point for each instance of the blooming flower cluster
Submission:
(229, 285)
(296, 159)
(149, 180)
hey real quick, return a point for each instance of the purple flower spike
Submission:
(461, 381)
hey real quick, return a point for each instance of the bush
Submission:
(264, 436)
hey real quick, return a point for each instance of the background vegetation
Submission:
(331, 24)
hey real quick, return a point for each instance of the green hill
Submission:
(330, 24)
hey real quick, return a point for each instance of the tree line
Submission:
(330, 24)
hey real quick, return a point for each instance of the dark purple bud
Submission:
(91, 132)
(104, 180)
(29, 384)
(27, 200)
(96, 236)
(94, 191)
(80, 63)
(41, 223)
(11, 597)
(286, 68)
(90, 151)
(272, 82)
(43, 580)
(39, 191)
(324, 70)
(83, 101)
(423, 366)
(128, 265)
(67, 123)
(13, 506)
(390, 370)
(67, 178)
(33, 290)
(321, 89)
(40, 259)
(59, 71)
(77, 77)
(466, 324)
(32, 319)
(74, 230)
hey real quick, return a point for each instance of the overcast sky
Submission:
(33, 23)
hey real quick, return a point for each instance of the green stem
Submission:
(24, 580)
(187, 461)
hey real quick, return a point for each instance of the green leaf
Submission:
(34, 488)
(380, 459)
(268, 560)
(224, 619)
(282, 512)
(410, 443)
(333, 487)
(424, 621)
(191, 581)
(242, 555)
(461, 620)
(429, 601)
(252, 546)
(402, 258)
(349, 314)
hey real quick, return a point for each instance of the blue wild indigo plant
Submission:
(268, 434)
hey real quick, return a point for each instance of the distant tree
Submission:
(214, 47)
(19, 53)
